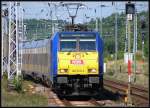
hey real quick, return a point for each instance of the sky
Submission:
(41, 10)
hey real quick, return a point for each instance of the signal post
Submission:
(130, 10)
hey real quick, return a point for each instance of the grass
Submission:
(16, 99)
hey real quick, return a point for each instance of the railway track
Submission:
(140, 95)
(80, 103)
(54, 100)
(90, 102)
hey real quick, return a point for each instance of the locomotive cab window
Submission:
(87, 45)
(68, 45)
(77, 42)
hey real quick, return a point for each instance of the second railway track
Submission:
(140, 95)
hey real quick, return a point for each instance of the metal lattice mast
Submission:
(4, 42)
(13, 41)
(2, 54)
(21, 31)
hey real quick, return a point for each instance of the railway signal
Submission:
(143, 35)
(143, 23)
(130, 10)
(143, 26)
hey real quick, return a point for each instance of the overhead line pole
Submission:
(116, 36)
(13, 69)
(126, 38)
(135, 43)
(96, 27)
(4, 54)
(101, 20)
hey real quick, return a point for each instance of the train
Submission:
(70, 62)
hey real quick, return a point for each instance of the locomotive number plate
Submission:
(80, 62)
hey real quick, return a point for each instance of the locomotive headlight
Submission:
(91, 70)
(63, 70)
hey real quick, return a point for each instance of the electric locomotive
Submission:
(70, 61)
(77, 62)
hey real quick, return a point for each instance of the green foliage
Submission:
(108, 35)
(5, 75)
(139, 55)
(109, 57)
(40, 29)
(146, 48)
(105, 60)
(110, 73)
(120, 54)
(18, 83)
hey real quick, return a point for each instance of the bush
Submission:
(109, 58)
(18, 83)
(111, 73)
(138, 55)
(5, 75)
(120, 55)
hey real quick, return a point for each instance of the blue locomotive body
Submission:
(58, 78)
